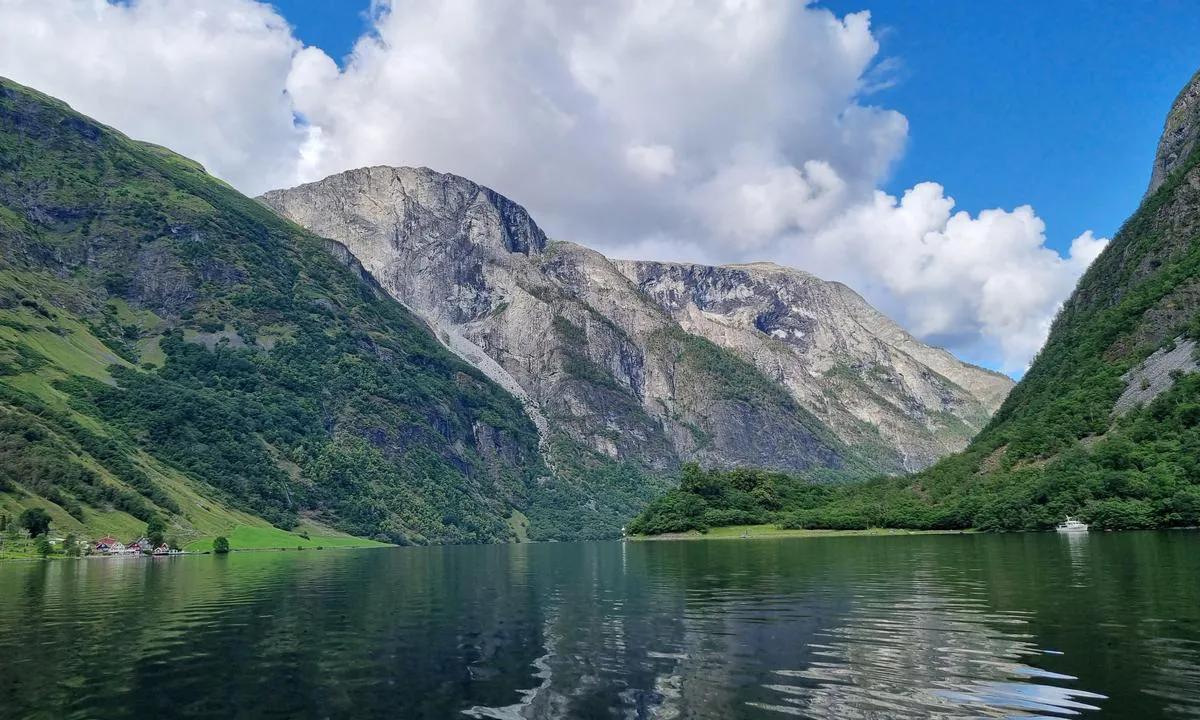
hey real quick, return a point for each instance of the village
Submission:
(109, 545)
(30, 534)
(14, 545)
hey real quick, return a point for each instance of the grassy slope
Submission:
(83, 212)
(201, 519)
(257, 537)
(81, 353)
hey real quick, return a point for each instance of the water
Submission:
(1105, 625)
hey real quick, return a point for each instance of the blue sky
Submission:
(1056, 104)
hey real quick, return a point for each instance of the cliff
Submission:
(653, 363)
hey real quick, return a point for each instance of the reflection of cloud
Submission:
(897, 647)
(595, 655)
(924, 655)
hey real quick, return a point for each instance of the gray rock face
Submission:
(652, 363)
(841, 359)
(1155, 374)
(1180, 134)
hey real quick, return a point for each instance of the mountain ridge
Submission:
(390, 217)
(172, 350)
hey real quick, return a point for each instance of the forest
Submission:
(1143, 474)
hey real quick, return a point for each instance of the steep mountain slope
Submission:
(855, 369)
(1106, 423)
(170, 348)
(652, 364)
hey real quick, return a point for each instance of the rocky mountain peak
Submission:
(1180, 134)
(465, 211)
(652, 363)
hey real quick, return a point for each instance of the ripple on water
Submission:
(818, 629)
(1177, 676)
(926, 655)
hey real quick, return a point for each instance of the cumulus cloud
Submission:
(986, 283)
(714, 131)
(651, 161)
(205, 78)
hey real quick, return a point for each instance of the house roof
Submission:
(106, 540)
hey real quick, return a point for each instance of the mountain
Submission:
(649, 364)
(1104, 425)
(173, 350)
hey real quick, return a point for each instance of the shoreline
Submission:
(770, 532)
(5, 557)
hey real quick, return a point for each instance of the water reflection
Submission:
(534, 702)
(732, 642)
(949, 627)
(1077, 550)
(926, 654)
(1177, 678)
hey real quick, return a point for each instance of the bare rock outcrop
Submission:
(1156, 374)
(1180, 134)
(645, 362)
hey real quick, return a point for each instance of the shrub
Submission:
(36, 521)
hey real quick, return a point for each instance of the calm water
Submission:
(942, 627)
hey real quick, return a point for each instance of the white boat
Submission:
(1071, 526)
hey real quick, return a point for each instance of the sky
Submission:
(957, 163)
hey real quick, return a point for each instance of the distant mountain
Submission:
(652, 364)
(1105, 425)
(172, 349)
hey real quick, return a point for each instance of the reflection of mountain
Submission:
(746, 630)
(607, 639)
(941, 627)
(1176, 681)
(334, 634)
(538, 701)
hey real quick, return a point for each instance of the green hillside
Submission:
(1060, 444)
(170, 348)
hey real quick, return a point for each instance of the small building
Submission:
(163, 549)
(117, 548)
(105, 544)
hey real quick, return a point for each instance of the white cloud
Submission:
(986, 282)
(717, 131)
(205, 78)
(651, 161)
